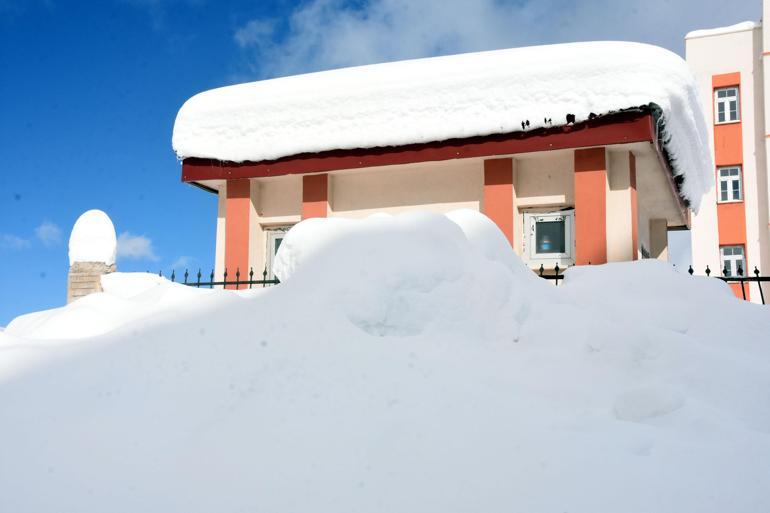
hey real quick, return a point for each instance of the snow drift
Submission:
(406, 363)
(440, 98)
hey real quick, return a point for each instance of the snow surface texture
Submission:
(429, 375)
(440, 98)
(738, 27)
(93, 239)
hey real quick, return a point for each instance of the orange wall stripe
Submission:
(732, 224)
(728, 144)
(590, 206)
(237, 208)
(634, 207)
(728, 151)
(315, 196)
(498, 194)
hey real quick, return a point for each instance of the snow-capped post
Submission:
(92, 250)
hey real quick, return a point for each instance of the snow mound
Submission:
(409, 288)
(458, 96)
(93, 239)
(404, 364)
(126, 297)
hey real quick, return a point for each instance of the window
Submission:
(733, 261)
(730, 184)
(548, 238)
(274, 239)
(727, 105)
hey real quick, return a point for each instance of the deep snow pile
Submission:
(405, 364)
(435, 99)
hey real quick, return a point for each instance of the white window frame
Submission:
(529, 241)
(271, 234)
(725, 102)
(729, 180)
(733, 259)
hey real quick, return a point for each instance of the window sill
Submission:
(729, 202)
(717, 123)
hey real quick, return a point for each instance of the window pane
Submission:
(737, 250)
(736, 190)
(549, 237)
(727, 251)
(721, 93)
(734, 171)
(728, 268)
(730, 92)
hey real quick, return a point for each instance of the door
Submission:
(274, 238)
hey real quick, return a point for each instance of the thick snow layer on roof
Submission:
(438, 379)
(457, 96)
(93, 239)
(738, 27)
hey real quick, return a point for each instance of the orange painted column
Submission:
(498, 194)
(315, 196)
(728, 151)
(590, 206)
(634, 207)
(237, 210)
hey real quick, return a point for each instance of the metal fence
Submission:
(238, 283)
(556, 274)
(727, 277)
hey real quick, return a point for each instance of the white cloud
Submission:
(183, 262)
(49, 234)
(135, 247)
(9, 241)
(323, 34)
(255, 32)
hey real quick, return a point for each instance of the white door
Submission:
(274, 238)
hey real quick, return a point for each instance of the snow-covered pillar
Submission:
(92, 250)
(315, 196)
(591, 206)
(237, 214)
(498, 204)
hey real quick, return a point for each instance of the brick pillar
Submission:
(237, 210)
(85, 278)
(315, 196)
(590, 206)
(498, 194)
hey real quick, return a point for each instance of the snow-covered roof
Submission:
(738, 27)
(458, 96)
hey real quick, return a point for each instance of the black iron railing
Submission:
(556, 274)
(740, 278)
(238, 283)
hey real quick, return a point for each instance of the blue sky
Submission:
(89, 91)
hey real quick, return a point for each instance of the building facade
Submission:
(583, 153)
(592, 193)
(730, 232)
